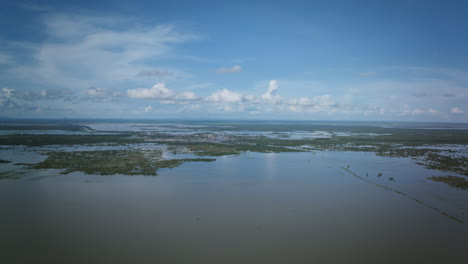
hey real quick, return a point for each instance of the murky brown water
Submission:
(257, 208)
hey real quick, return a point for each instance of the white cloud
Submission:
(432, 111)
(160, 92)
(101, 95)
(186, 96)
(294, 108)
(7, 92)
(407, 110)
(456, 110)
(300, 101)
(270, 96)
(148, 108)
(225, 96)
(233, 69)
(104, 51)
(95, 91)
(227, 108)
(322, 100)
(271, 102)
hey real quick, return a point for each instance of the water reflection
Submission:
(270, 165)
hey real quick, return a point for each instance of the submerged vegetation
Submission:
(222, 149)
(11, 174)
(403, 194)
(457, 182)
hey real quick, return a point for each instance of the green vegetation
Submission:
(221, 149)
(99, 162)
(4, 161)
(109, 162)
(447, 163)
(368, 137)
(457, 182)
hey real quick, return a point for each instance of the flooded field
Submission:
(252, 199)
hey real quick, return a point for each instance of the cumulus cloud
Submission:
(233, 69)
(160, 92)
(186, 96)
(321, 100)
(270, 101)
(225, 96)
(270, 96)
(154, 73)
(6, 92)
(92, 91)
(227, 108)
(9, 102)
(407, 110)
(46, 94)
(456, 110)
(300, 101)
(101, 95)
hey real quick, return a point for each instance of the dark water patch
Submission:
(43, 140)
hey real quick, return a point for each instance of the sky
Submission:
(288, 60)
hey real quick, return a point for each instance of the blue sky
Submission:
(307, 60)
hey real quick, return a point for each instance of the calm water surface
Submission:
(254, 208)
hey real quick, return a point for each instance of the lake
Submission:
(252, 208)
